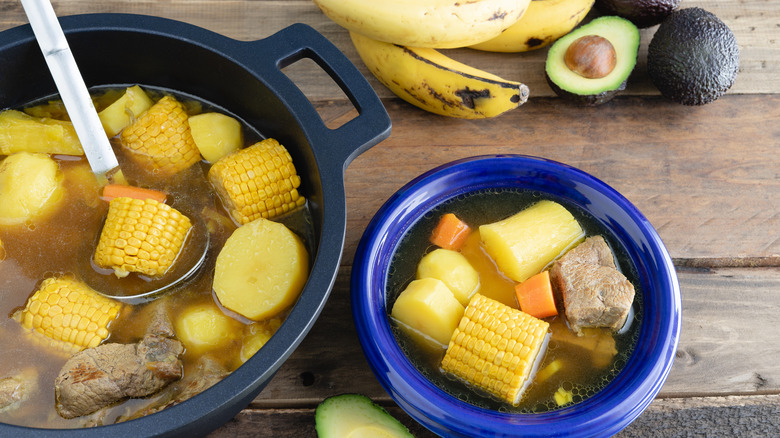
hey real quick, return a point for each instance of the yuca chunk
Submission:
(522, 245)
(261, 270)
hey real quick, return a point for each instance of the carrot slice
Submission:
(450, 232)
(535, 296)
(112, 191)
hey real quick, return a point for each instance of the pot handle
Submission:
(298, 41)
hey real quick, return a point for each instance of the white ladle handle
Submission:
(71, 86)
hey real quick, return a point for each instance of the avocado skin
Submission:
(585, 99)
(693, 57)
(643, 13)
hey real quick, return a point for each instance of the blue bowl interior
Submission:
(606, 412)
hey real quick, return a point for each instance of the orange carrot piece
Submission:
(112, 191)
(535, 296)
(450, 232)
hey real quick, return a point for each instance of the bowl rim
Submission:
(604, 413)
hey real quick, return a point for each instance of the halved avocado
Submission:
(619, 39)
(356, 416)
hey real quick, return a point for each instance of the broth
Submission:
(64, 242)
(578, 375)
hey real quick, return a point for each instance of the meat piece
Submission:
(17, 388)
(594, 250)
(207, 373)
(594, 292)
(101, 376)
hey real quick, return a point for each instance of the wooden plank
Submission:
(718, 354)
(755, 416)
(693, 172)
(754, 24)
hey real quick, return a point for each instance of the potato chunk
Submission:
(203, 327)
(261, 270)
(256, 335)
(522, 245)
(20, 132)
(216, 135)
(30, 186)
(454, 269)
(429, 308)
(124, 110)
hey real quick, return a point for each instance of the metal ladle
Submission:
(86, 122)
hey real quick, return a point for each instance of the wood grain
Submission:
(745, 417)
(706, 177)
(693, 172)
(754, 23)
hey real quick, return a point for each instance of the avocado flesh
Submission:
(356, 416)
(693, 57)
(624, 37)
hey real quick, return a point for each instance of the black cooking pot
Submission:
(245, 78)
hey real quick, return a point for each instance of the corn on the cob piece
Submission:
(496, 348)
(258, 181)
(142, 236)
(160, 139)
(67, 310)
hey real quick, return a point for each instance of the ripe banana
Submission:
(434, 82)
(425, 23)
(544, 22)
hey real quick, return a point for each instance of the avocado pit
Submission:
(591, 56)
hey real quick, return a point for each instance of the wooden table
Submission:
(707, 178)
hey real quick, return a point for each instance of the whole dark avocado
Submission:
(693, 57)
(643, 13)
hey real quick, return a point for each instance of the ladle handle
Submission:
(71, 86)
(298, 41)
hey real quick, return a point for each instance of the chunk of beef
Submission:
(206, 373)
(594, 292)
(17, 388)
(101, 376)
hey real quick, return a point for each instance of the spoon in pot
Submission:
(95, 142)
(73, 90)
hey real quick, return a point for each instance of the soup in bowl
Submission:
(467, 354)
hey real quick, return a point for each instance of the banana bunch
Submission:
(543, 23)
(398, 42)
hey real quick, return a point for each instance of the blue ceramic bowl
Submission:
(603, 414)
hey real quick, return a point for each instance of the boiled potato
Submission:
(215, 135)
(124, 110)
(256, 335)
(453, 269)
(522, 245)
(20, 132)
(261, 270)
(428, 307)
(203, 327)
(30, 186)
